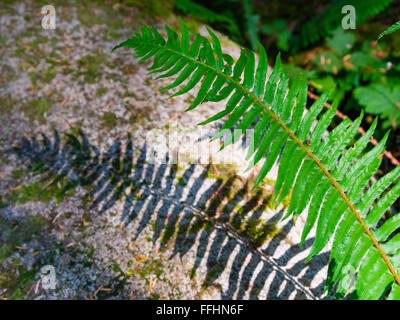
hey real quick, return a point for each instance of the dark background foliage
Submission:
(311, 40)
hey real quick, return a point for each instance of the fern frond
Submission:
(328, 174)
(390, 30)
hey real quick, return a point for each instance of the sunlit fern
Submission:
(327, 175)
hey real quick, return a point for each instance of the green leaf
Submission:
(261, 74)
(341, 41)
(380, 99)
(390, 30)
(289, 165)
(206, 84)
(271, 157)
(394, 292)
(249, 70)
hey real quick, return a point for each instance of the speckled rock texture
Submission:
(88, 186)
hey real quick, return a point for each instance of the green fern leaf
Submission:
(390, 30)
(326, 172)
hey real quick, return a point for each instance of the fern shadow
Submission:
(219, 220)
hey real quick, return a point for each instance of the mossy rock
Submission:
(37, 109)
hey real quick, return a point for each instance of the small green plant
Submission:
(360, 69)
(329, 174)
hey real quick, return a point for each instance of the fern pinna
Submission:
(395, 27)
(328, 174)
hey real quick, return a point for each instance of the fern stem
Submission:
(305, 149)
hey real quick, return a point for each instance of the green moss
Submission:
(33, 76)
(75, 130)
(87, 16)
(26, 194)
(49, 75)
(255, 230)
(91, 66)
(200, 224)
(37, 109)
(33, 225)
(192, 273)
(8, 75)
(18, 279)
(132, 120)
(286, 201)
(151, 267)
(259, 232)
(109, 120)
(154, 296)
(28, 59)
(18, 286)
(129, 94)
(39, 192)
(3, 204)
(130, 68)
(211, 275)
(87, 217)
(100, 92)
(6, 104)
(224, 172)
(90, 252)
(154, 8)
(18, 173)
(189, 100)
(6, 250)
(115, 267)
(37, 41)
(232, 187)
(168, 233)
(54, 59)
(44, 77)
(181, 181)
